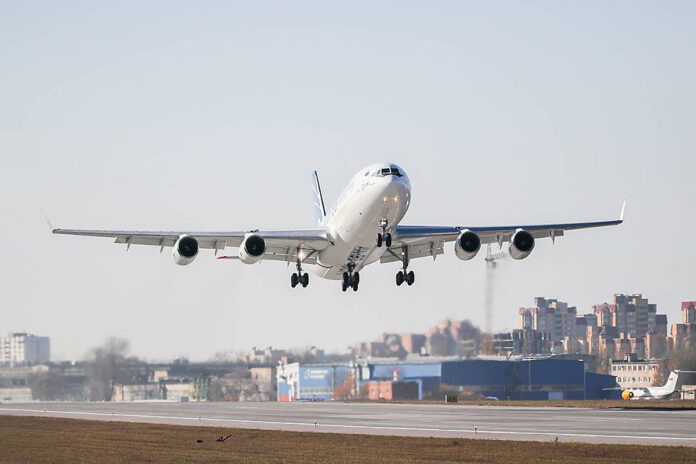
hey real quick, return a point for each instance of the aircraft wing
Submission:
(407, 235)
(279, 243)
(423, 241)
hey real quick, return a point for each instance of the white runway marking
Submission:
(346, 426)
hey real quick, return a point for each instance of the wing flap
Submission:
(415, 250)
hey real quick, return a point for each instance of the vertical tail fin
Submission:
(672, 380)
(319, 209)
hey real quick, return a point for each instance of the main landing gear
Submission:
(299, 277)
(384, 236)
(405, 275)
(350, 280)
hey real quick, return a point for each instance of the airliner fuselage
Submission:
(375, 201)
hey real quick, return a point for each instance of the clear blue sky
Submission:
(210, 115)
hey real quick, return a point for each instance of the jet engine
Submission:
(627, 394)
(185, 250)
(252, 249)
(521, 244)
(467, 245)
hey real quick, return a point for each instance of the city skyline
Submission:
(674, 335)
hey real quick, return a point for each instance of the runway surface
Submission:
(438, 420)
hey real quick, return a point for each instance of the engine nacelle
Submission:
(521, 244)
(185, 250)
(467, 245)
(252, 249)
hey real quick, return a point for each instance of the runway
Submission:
(438, 420)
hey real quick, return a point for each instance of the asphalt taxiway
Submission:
(652, 427)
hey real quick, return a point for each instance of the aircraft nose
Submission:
(395, 188)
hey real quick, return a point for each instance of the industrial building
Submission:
(634, 372)
(315, 382)
(546, 378)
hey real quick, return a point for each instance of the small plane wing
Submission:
(285, 243)
(407, 235)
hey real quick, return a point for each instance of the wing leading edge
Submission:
(407, 235)
(311, 239)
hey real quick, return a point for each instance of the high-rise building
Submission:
(630, 314)
(23, 348)
(413, 343)
(683, 336)
(551, 317)
(688, 309)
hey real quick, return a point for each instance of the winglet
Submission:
(48, 221)
(623, 209)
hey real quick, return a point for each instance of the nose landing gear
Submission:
(384, 236)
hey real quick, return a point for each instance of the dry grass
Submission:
(52, 440)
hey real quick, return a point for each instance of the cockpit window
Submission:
(387, 172)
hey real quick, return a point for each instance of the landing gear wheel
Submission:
(399, 278)
(355, 287)
(304, 280)
(294, 280)
(379, 240)
(387, 240)
(410, 278)
(356, 278)
(344, 286)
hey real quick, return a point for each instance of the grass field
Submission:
(53, 440)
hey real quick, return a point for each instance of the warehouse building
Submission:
(548, 378)
(315, 382)
(525, 379)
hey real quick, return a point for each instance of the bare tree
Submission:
(683, 358)
(108, 365)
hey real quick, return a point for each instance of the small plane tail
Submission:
(672, 381)
(319, 209)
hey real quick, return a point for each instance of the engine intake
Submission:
(252, 249)
(521, 244)
(467, 246)
(185, 250)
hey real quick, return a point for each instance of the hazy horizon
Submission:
(211, 116)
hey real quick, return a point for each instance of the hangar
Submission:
(547, 378)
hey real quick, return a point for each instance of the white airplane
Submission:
(362, 227)
(656, 393)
